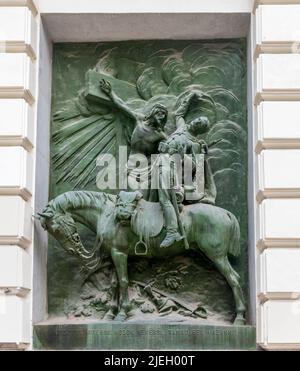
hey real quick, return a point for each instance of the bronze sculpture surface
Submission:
(212, 230)
(147, 252)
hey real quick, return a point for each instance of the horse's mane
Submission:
(78, 200)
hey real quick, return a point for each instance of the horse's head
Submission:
(126, 205)
(63, 228)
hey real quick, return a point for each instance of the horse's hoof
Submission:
(239, 321)
(109, 316)
(121, 317)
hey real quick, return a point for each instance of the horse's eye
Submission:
(76, 237)
(55, 227)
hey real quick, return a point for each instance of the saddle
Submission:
(148, 220)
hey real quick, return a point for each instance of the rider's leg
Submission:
(170, 218)
(166, 182)
(210, 185)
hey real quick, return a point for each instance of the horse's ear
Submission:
(138, 195)
(41, 217)
(44, 215)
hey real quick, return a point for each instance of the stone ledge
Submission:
(274, 243)
(280, 346)
(15, 240)
(277, 95)
(277, 47)
(143, 336)
(264, 297)
(8, 92)
(16, 191)
(277, 193)
(274, 2)
(92, 27)
(18, 47)
(21, 292)
(16, 141)
(13, 346)
(277, 143)
(29, 3)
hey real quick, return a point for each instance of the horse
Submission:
(209, 229)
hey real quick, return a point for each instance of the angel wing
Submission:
(81, 134)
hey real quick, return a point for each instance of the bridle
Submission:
(66, 229)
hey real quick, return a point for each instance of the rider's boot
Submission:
(171, 238)
(171, 223)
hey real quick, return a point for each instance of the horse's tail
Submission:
(234, 243)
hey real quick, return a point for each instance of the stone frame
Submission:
(230, 25)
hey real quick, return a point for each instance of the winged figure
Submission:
(93, 123)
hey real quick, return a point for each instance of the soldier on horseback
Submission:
(145, 140)
(148, 138)
(209, 229)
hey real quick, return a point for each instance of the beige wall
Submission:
(144, 6)
(18, 76)
(276, 35)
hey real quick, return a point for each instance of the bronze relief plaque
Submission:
(147, 218)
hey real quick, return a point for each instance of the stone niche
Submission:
(176, 302)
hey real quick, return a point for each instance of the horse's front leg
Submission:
(115, 297)
(120, 261)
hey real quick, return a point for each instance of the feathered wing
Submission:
(85, 129)
(228, 153)
(80, 135)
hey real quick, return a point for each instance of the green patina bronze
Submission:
(138, 336)
(212, 230)
(138, 250)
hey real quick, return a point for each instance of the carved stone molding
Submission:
(280, 346)
(15, 240)
(29, 3)
(15, 291)
(276, 47)
(264, 244)
(264, 297)
(276, 95)
(15, 141)
(8, 92)
(285, 143)
(277, 193)
(274, 2)
(13, 346)
(19, 47)
(16, 191)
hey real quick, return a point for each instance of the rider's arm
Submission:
(183, 109)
